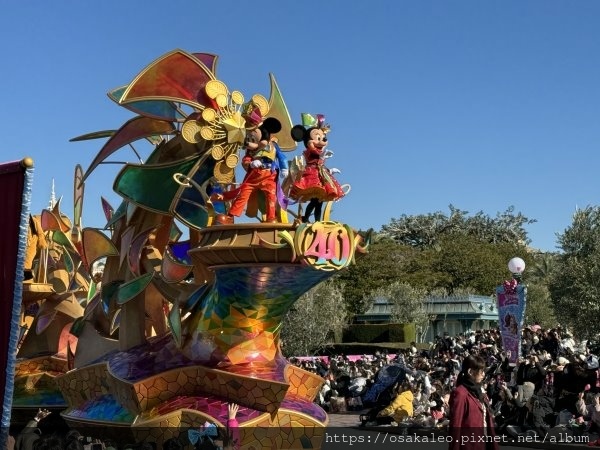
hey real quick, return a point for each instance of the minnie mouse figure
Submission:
(263, 162)
(316, 184)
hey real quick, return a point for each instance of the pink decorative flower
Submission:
(510, 286)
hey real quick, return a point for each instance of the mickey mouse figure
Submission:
(316, 184)
(263, 161)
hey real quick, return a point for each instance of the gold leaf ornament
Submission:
(237, 97)
(221, 100)
(262, 103)
(207, 133)
(209, 114)
(214, 88)
(222, 173)
(191, 131)
(217, 152)
(232, 160)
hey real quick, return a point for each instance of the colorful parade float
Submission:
(56, 284)
(186, 315)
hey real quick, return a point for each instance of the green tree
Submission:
(408, 303)
(543, 266)
(463, 262)
(382, 265)
(537, 276)
(539, 308)
(425, 230)
(575, 284)
(315, 320)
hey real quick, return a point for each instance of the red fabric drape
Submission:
(12, 179)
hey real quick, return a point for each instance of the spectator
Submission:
(401, 407)
(173, 444)
(31, 432)
(470, 412)
(531, 370)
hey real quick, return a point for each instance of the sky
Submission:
(478, 104)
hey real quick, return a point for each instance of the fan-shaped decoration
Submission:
(179, 251)
(174, 320)
(107, 209)
(134, 129)
(126, 238)
(109, 290)
(92, 304)
(94, 135)
(209, 60)
(96, 245)
(225, 126)
(173, 271)
(279, 111)
(51, 222)
(115, 321)
(156, 109)
(191, 206)
(44, 321)
(134, 254)
(176, 76)
(152, 186)
(117, 215)
(61, 238)
(128, 291)
(78, 190)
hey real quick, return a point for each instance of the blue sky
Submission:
(479, 104)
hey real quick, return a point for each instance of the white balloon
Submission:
(516, 265)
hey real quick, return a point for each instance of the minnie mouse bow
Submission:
(209, 430)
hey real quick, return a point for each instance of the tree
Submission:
(425, 230)
(407, 302)
(544, 265)
(314, 320)
(539, 308)
(463, 262)
(537, 276)
(575, 284)
(382, 265)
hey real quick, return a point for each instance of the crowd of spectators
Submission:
(48, 431)
(552, 387)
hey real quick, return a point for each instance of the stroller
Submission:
(381, 393)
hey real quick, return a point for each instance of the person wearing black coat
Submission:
(531, 370)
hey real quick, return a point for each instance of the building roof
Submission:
(463, 307)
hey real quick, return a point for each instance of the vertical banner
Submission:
(15, 185)
(511, 313)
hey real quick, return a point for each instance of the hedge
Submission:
(374, 333)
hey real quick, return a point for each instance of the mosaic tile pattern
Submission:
(272, 414)
(303, 384)
(102, 409)
(35, 382)
(262, 394)
(49, 364)
(292, 426)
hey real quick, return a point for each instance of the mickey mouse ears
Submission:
(308, 121)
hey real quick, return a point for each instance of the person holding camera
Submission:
(531, 370)
(31, 432)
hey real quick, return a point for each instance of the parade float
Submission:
(187, 313)
(56, 283)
